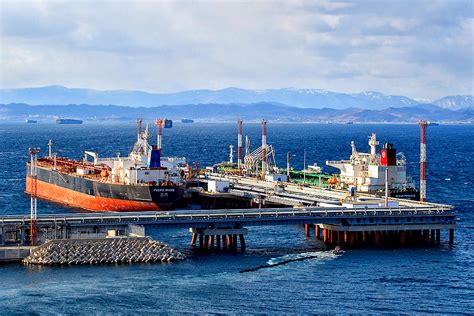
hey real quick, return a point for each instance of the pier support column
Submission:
(325, 236)
(352, 238)
(193, 239)
(234, 241)
(433, 236)
(402, 237)
(224, 242)
(426, 235)
(201, 241)
(346, 237)
(364, 236)
(229, 242)
(211, 241)
(218, 241)
(316, 231)
(340, 237)
(242, 242)
(451, 236)
(377, 238)
(206, 242)
(306, 230)
(438, 236)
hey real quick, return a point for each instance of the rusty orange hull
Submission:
(73, 198)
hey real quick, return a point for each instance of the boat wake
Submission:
(283, 260)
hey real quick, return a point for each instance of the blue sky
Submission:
(421, 49)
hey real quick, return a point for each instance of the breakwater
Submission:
(103, 250)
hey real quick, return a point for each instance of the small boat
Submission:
(338, 251)
(28, 121)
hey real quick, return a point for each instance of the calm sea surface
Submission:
(419, 280)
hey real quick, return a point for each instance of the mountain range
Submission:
(230, 112)
(299, 98)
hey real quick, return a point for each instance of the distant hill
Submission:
(304, 98)
(455, 102)
(230, 112)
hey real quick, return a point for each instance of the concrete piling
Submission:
(242, 241)
(224, 242)
(426, 235)
(219, 239)
(402, 237)
(193, 239)
(346, 236)
(201, 241)
(316, 231)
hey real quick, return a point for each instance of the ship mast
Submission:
(139, 129)
(50, 147)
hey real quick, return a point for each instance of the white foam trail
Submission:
(316, 255)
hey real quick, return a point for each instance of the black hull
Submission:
(163, 196)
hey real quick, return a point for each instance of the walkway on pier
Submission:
(292, 194)
(248, 217)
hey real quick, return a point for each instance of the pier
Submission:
(222, 228)
(336, 217)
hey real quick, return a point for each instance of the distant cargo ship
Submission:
(187, 121)
(68, 121)
(143, 181)
(28, 121)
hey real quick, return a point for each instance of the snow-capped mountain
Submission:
(301, 98)
(455, 102)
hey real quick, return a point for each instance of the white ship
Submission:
(367, 171)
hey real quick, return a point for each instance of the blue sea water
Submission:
(417, 280)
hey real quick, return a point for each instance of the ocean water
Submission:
(413, 280)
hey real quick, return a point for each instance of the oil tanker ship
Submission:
(143, 181)
(372, 172)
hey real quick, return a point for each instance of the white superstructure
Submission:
(366, 171)
(143, 165)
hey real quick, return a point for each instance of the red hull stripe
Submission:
(73, 198)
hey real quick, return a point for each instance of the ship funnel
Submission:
(388, 155)
(159, 125)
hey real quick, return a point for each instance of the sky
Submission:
(421, 49)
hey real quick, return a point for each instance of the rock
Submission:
(106, 250)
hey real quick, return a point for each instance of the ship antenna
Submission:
(139, 128)
(146, 134)
(50, 146)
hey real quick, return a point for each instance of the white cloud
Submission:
(415, 48)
